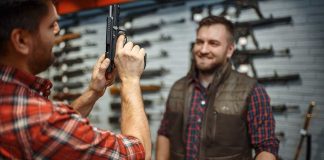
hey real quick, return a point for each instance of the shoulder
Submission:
(243, 76)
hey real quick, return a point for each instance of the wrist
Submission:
(130, 81)
(94, 93)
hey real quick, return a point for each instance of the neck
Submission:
(206, 78)
(15, 62)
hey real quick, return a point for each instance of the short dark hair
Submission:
(24, 14)
(211, 20)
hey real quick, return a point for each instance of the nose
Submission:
(56, 28)
(204, 48)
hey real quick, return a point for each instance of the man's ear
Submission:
(21, 41)
(230, 50)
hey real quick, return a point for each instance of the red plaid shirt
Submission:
(261, 124)
(33, 127)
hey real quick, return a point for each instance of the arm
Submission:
(261, 125)
(163, 142)
(129, 61)
(162, 148)
(99, 82)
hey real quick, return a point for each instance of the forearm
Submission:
(162, 148)
(133, 119)
(85, 102)
(265, 156)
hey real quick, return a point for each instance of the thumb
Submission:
(120, 42)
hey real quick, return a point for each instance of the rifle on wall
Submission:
(282, 108)
(65, 87)
(66, 49)
(72, 73)
(245, 29)
(239, 6)
(245, 56)
(278, 79)
(153, 27)
(148, 43)
(163, 54)
(72, 35)
(304, 133)
(73, 61)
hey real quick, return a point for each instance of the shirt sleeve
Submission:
(66, 135)
(165, 124)
(261, 123)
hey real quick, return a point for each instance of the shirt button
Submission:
(203, 102)
(198, 120)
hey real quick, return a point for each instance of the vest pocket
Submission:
(225, 130)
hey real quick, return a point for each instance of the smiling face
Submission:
(43, 41)
(212, 47)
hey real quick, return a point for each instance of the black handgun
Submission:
(112, 33)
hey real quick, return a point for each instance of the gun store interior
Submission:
(274, 83)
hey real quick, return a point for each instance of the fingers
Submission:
(100, 60)
(104, 65)
(128, 47)
(142, 51)
(120, 42)
(135, 49)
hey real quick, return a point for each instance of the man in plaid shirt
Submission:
(215, 112)
(32, 126)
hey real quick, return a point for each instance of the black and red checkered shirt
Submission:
(260, 120)
(32, 127)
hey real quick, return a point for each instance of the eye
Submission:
(214, 43)
(199, 42)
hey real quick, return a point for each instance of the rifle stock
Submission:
(66, 37)
(304, 130)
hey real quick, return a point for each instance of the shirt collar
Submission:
(12, 75)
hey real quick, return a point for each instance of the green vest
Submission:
(224, 134)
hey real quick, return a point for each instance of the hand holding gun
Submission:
(112, 33)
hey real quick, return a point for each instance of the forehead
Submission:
(213, 32)
(52, 14)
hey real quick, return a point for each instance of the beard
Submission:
(42, 58)
(209, 68)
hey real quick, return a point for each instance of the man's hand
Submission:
(98, 84)
(129, 60)
(100, 79)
